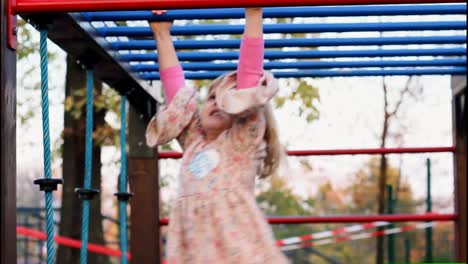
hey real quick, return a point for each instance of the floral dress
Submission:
(215, 218)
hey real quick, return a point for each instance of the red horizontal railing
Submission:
(324, 152)
(69, 242)
(29, 6)
(354, 218)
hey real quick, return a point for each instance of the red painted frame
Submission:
(354, 218)
(177, 155)
(29, 6)
(69, 242)
(12, 26)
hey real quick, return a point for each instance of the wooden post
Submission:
(8, 146)
(459, 139)
(144, 183)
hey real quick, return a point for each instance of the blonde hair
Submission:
(274, 150)
(273, 147)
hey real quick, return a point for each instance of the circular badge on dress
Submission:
(203, 163)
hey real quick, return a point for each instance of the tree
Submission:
(362, 189)
(362, 192)
(307, 94)
(357, 197)
(277, 200)
(390, 113)
(29, 88)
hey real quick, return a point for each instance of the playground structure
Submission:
(114, 62)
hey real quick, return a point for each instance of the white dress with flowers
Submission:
(215, 218)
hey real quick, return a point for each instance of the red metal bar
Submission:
(363, 218)
(353, 218)
(177, 155)
(12, 26)
(369, 151)
(29, 6)
(69, 242)
(170, 155)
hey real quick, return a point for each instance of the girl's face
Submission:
(214, 120)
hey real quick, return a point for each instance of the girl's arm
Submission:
(171, 73)
(250, 67)
(180, 118)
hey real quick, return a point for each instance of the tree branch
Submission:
(403, 93)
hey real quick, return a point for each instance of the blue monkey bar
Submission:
(326, 73)
(35, 6)
(282, 12)
(293, 42)
(286, 28)
(303, 54)
(197, 66)
(197, 61)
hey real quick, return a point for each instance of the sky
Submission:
(350, 117)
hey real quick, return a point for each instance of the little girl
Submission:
(233, 138)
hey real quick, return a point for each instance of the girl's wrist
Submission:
(253, 9)
(253, 24)
(162, 34)
(253, 12)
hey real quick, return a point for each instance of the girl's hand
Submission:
(159, 12)
(167, 56)
(253, 22)
(252, 12)
(160, 27)
(253, 9)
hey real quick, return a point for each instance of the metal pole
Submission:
(307, 65)
(319, 152)
(206, 75)
(407, 250)
(293, 42)
(353, 218)
(301, 54)
(281, 12)
(428, 257)
(40, 243)
(26, 241)
(391, 238)
(223, 29)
